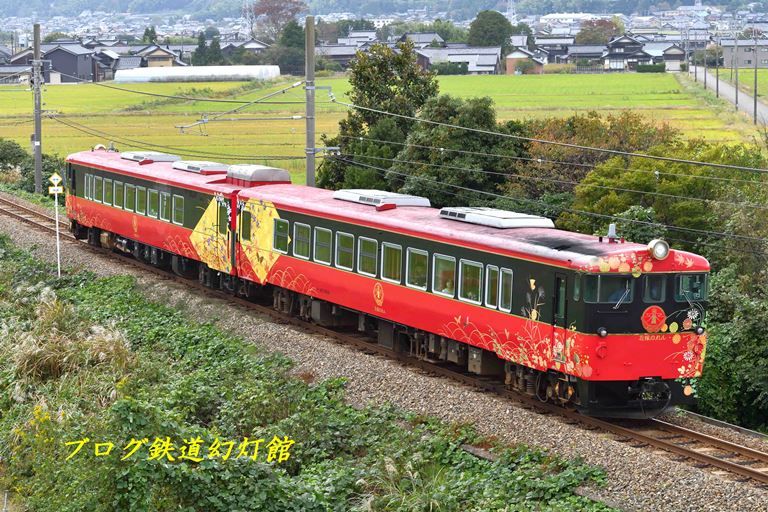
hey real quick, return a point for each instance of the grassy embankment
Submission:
(144, 118)
(95, 358)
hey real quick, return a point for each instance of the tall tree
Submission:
(215, 57)
(53, 36)
(272, 15)
(490, 28)
(150, 35)
(292, 35)
(598, 31)
(200, 55)
(386, 79)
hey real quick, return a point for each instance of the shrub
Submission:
(651, 68)
(561, 69)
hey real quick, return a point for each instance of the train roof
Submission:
(206, 177)
(545, 245)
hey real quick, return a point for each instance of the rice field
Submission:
(266, 132)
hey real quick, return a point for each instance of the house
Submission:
(72, 62)
(624, 53)
(5, 54)
(480, 60)
(339, 53)
(156, 57)
(586, 54)
(556, 47)
(518, 56)
(520, 41)
(15, 74)
(423, 39)
(358, 37)
(671, 55)
(253, 46)
(745, 52)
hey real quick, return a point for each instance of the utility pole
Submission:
(754, 93)
(736, 66)
(37, 143)
(309, 87)
(717, 68)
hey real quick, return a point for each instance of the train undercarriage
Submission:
(617, 399)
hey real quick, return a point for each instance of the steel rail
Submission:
(448, 370)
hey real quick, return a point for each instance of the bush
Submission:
(683, 66)
(450, 68)
(651, 68)
(560, 69)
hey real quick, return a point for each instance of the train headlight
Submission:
(699, 330)
(602, 332)
(659, 249)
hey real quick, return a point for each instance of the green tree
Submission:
(211, 32)
(598, 31)
(200, 55)
(214, 56)
(12, 154)
(150, 35)
(53, 36)
(292, 36)
(490, 28)
(426, 172)
(382, 79)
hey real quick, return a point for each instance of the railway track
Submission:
(724, 457)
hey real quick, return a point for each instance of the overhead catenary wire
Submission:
(700, 232)
(567, 182)
(539, 160)
(552, 142)
(134, 143)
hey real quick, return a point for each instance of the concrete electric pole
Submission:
(309, 87)
(37, 77)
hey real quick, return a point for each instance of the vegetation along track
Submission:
(704, 450)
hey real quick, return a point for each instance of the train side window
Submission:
(691, 287)
(470, 281)
(119, 194)
(608, 289)
(153, 203)
(107, 191)
(178, 210)
(98, 188)
(654, 288)
(491, 286)
(87, 194)
(367, 256)
(444, 276)
(130, 197)
(391, 262)
(323, 246)
(576, 287)
(345, 250)
(141, 200)
(302, 234)
(165, 206)
(416, 265)
(280, 242)
(223, 218)
(505, 290)
(245, 225)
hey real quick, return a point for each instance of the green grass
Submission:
(747, 80)
(149, 119)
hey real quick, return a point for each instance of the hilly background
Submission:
(458, 9)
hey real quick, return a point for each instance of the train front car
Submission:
(637, 313)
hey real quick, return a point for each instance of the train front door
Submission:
(559, 317)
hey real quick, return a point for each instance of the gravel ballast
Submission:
(637, 479)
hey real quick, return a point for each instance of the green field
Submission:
(747, 80)
(109, 112)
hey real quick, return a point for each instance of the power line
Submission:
(567, 182)
(160, 95)
(540, 160)
(701, 232)
(181, 151)
(554, 143)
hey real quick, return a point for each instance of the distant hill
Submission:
(458, 9)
